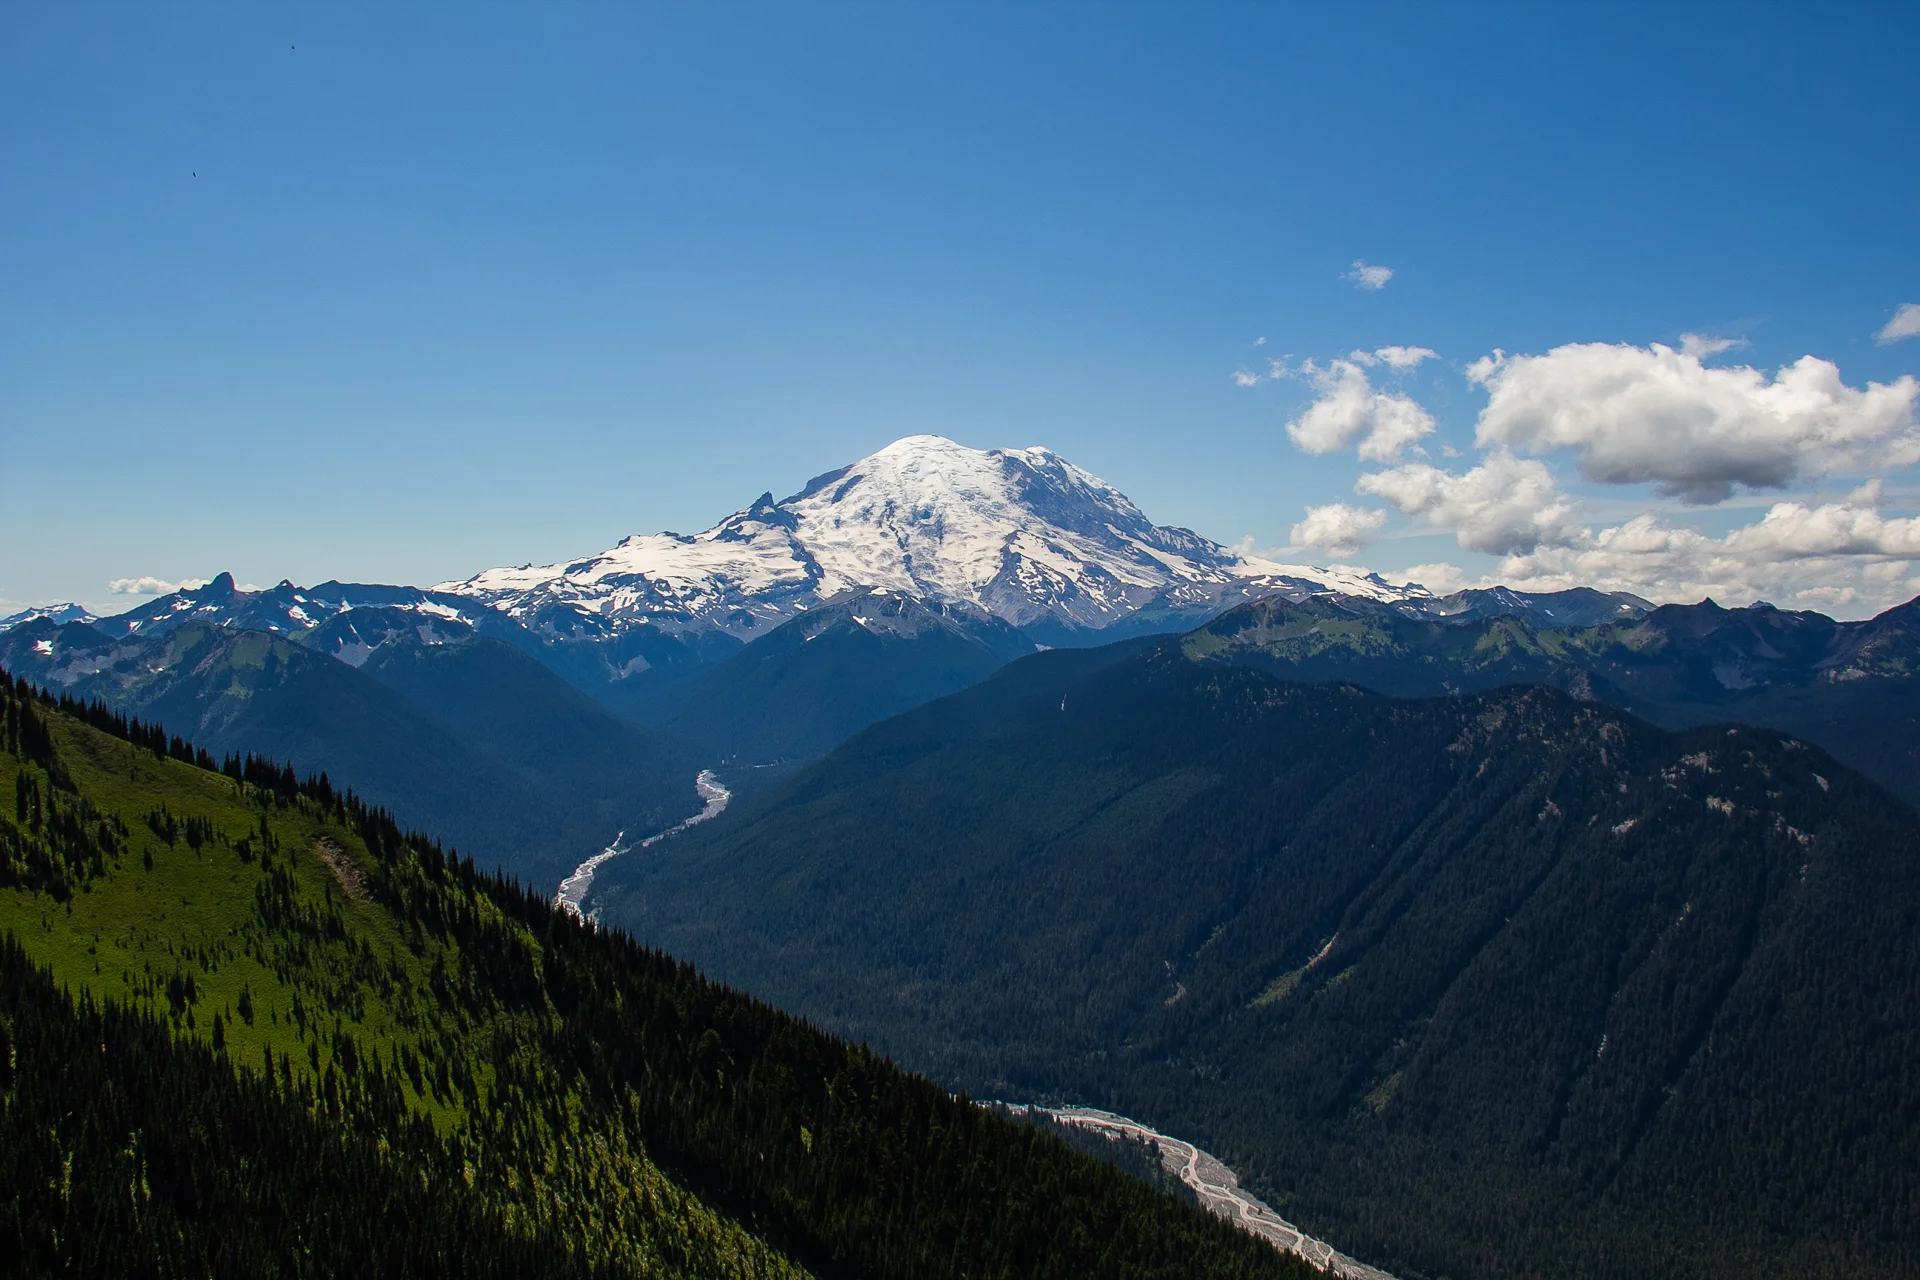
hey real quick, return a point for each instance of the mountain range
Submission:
(1017, 534)
(1852, 687)
(1495, 933)
(905, 576)
(530, 714)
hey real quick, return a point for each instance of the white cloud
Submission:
(1251, 378)
(1840, 557)
(1349, 411)
(1853, 527)
(1338, 529)
(151, 586)
(1260, 342)
(1371, 278)
(1405, 357)
(1843, 557)
(1506, 505)
(1440, 578)
(1655, 415)
(1700, 347)
(1905, 324)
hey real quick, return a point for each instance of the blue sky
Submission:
(311, 292)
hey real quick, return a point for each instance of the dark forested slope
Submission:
(250, 1028)
(1500, 984)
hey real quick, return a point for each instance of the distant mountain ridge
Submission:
(1019, 534)
(58, 613)
(744, 638)
(1848, 686)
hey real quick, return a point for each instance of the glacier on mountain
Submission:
(1020, 533)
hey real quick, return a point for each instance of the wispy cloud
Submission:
(1367, 276)
(1700, 346)
(1252, 378)
(1905, 324)
(1398, 357)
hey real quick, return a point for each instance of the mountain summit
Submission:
(1020, 533)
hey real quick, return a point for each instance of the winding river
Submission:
(1218, 1190)
(573, 890)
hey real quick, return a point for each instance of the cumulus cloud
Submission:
(1506, 506)
(1841, 557)
(1349, 411)
(1440, 577)
(151, 586)
(1370, 278)
(1655, 415)
(1905, 324)
(1339, 529)
(1855, 527)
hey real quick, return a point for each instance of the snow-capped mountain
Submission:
(284, 609)
(1020, 533)
(58, 614)
(1018, 536)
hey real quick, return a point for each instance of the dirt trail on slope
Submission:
(344, 868)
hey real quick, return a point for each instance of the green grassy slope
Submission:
(343, 1021)
(219, 915)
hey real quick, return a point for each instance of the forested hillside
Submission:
(464, 735)
(253, 1028)
(1503, 984)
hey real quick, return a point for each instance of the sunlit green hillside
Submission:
(324, 1039)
